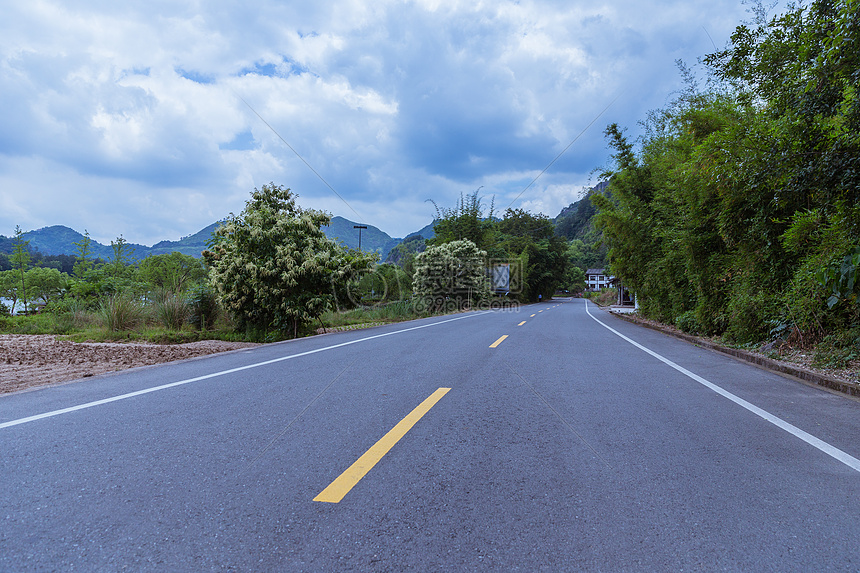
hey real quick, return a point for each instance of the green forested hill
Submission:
(576, 220)
(191, 245)
(60, 240)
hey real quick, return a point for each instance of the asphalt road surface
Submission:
(552, 438)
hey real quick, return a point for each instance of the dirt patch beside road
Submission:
(27, 361)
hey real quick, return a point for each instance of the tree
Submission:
(384, 283)
(741, 211)
(521, 223)
(272, 265)
(174, 271)
(83, 263)
(123, 257)
(451, 275)
(9, 287)
(46, 283)
(574, 279)
(465, 221)
(532, 240)
(20, 259)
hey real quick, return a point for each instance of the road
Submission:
(556, 438)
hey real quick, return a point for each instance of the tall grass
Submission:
(120, 312)
(391, 312)
(170, 310)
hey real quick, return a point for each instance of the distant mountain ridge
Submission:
(60, 240)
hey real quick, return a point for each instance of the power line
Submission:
(581, 133)
(360, 218)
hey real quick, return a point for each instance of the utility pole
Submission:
(359, 227)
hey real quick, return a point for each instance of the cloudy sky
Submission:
(128, 117)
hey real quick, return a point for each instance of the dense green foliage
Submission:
(539, 258)
(466, 221)
(740, 214)
(384, 283)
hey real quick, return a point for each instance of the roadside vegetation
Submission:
(604, 297)
(270, 273)
(737, 215)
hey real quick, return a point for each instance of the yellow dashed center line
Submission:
(499, 341)
(348, 479)
(522, 323)
(532, 316)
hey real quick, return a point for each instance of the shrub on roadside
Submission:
(605, 297)
(687, 322)
(838, 350)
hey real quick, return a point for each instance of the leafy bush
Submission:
(34, 324)
(453, 272)
(687, 322)
(838, 350)
(605, 297)
(72, 313)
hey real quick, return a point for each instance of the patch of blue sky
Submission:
(268, 69)
(286, 67)
(135, 72)
(242, 142)
(195, 76)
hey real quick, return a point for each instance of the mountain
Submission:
(574, 221)
(60, 240)
(191, 245)
(413, 244)
(427, 232)
(372, 239)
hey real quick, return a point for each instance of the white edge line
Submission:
(831, 451)
(221, 373)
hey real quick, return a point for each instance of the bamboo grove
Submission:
(738, 212)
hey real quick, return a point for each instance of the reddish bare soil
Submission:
(27, 361)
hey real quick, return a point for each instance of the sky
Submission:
(153, 119)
